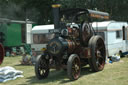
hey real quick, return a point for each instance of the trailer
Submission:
(14, 34)
(40, 36)
(115, 34)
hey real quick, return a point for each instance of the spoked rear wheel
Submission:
(41, 67)
(73, 67)
(98, 53)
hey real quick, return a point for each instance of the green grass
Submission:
(113, 74)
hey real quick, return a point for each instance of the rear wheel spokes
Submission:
(99, 46)
(99, 55)
(99, 61)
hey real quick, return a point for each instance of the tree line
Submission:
(40, 11)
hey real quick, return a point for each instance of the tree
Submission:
(43, 7)
(40, 11)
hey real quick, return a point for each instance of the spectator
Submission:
(33, 56)
(25, 60)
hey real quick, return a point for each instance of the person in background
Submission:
(25, 60)
(33, 56)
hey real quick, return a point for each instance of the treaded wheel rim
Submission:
(100, 52)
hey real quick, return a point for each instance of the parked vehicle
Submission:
(14, 34)
(115, 34)
(75, 44)
(40, 36)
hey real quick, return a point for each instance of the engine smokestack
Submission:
(56, 15)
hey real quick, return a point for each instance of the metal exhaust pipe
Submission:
(56, 15)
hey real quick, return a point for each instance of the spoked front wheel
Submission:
(73, 67)
(41, 67)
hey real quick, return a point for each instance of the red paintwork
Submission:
(2, 52)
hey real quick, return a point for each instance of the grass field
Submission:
(113, 74)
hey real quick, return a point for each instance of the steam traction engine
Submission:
(75, 44)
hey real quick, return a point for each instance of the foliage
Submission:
(40, 11)
(116, 8)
